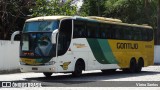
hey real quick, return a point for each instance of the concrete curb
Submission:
(10, 71)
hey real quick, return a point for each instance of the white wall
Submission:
(157, 54)
(9, 55)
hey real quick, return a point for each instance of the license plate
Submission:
(34, 68)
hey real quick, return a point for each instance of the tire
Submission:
(79, 67)
(47, 74)
(108, 71)
(140, 65)
(133, 66)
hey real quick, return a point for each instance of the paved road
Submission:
(90, 79)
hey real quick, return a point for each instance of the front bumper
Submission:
(47, 68)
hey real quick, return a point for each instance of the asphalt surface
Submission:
(148, 79)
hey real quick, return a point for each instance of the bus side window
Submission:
(82, 32)
(96, 30)
(137, 34)
(132, 32)
(75, 35)
(102, 31)
(88, 30)
(122, 33)
(144, 35)
(79, 29)
(108, 34)
(125, 33)
(88, 33)
(103, 34)
(117, 32)
(112, 32)
(92, 30)
(149, 34)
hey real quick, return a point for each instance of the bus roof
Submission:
(47, 18)
(116, 21)
(89, 18)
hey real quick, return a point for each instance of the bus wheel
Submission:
(140, 65)
(133, 66)
(79, 66)
(108, 71)
(47, 74)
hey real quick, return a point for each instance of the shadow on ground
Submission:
(87, 79)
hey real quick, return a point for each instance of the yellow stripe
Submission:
(29, 61)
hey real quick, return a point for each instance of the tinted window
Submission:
(144, 35)
(136, 33)
(38, 26)
(92, 30)
(79, 29)
(127, 32)
(104, 31)
(84, 29)
(150, 34)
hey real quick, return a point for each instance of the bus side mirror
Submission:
(13, 36)
(53, 37)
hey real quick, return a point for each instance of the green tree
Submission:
(92, 8)
(12, 16)
(53, 7)
(130, 11)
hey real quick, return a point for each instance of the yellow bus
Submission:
(71, 44)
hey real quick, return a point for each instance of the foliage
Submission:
(130, 11)
(53, 7)
(12, 14)
(134, 11)
(92, 8)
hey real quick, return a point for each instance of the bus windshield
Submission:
(41, 26)
(37, 45)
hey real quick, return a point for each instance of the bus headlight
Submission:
(50, 63)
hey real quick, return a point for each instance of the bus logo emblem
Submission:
(65, 65)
